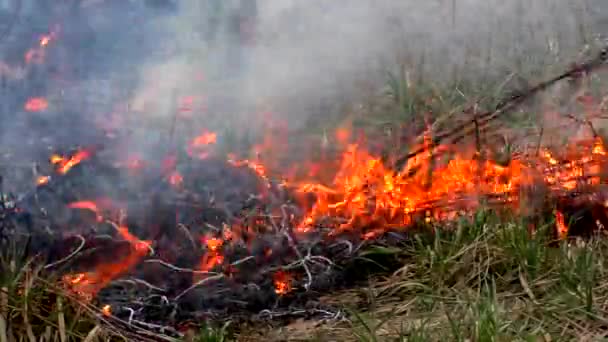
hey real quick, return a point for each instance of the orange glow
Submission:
(88, 284)
(560, 224)
(365, 192)
(176, 179)
(37, 54)
(88, 205)
(64, 165)
(282, 283)
(342, 135)
(199, 146)
(36, 104)
(106, 310)
(42, 180)
(206, 138)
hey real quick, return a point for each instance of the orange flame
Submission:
(64, 165)
(88, 205)
(36, 104)
(199, 146)
(560, 224)
(37, 54)
(365, 192)
(106, 310)
(42, 180)
(282, 283)
(176, 179)
(88, 284)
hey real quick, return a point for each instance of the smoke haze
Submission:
(123, 62)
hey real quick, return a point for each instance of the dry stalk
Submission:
(197, 284)
(29, 280)
(61, 320)
(92, 334)
(3, 314)
(76, 251)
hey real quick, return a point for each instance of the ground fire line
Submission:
(287, 240)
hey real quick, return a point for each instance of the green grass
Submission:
(489, 280)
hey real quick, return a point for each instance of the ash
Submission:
(177, 280)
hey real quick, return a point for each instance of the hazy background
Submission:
(126, 64)
(312, 55)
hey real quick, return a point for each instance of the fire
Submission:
(282, 283)
(42, 180)
(176, 179)
(206, 138)
(37, 54)
(257, 167)
(88, 284)
(106, 310)
(365, 192)
(199, 146)
(36, 104)
(64, 165)
(88, 205)
(212, 258)
(560, 223)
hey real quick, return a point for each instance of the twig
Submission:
(140, 281)
(511, 103)
(176, 268)
(302, 260)
(197, 284)
(240, 261)
(76, 251)
(348, 244)
(186, 231)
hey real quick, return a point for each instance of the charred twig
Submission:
(301, 260)
(142, 282)
(70, 256)
(178, 269)
(197, 284)
(186, 232)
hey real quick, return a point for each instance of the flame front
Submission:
(366, 193)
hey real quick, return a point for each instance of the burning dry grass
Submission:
(472, 272)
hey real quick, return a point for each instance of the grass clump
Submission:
(488, 280)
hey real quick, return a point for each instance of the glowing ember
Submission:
(176, 179)
(212, 258)
(42, 180)
(38, 54)
(560, 224)
(88, 205)
(106, 310)
(36, 104)
(282, 283)
(199, 146)
(258, 167)
(206, 138)
(64, 165)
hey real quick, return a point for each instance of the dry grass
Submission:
(489, 280)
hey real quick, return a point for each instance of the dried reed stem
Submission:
(61, 320)
(3, 314)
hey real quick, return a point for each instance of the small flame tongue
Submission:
(65, 164)
(88, 284)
